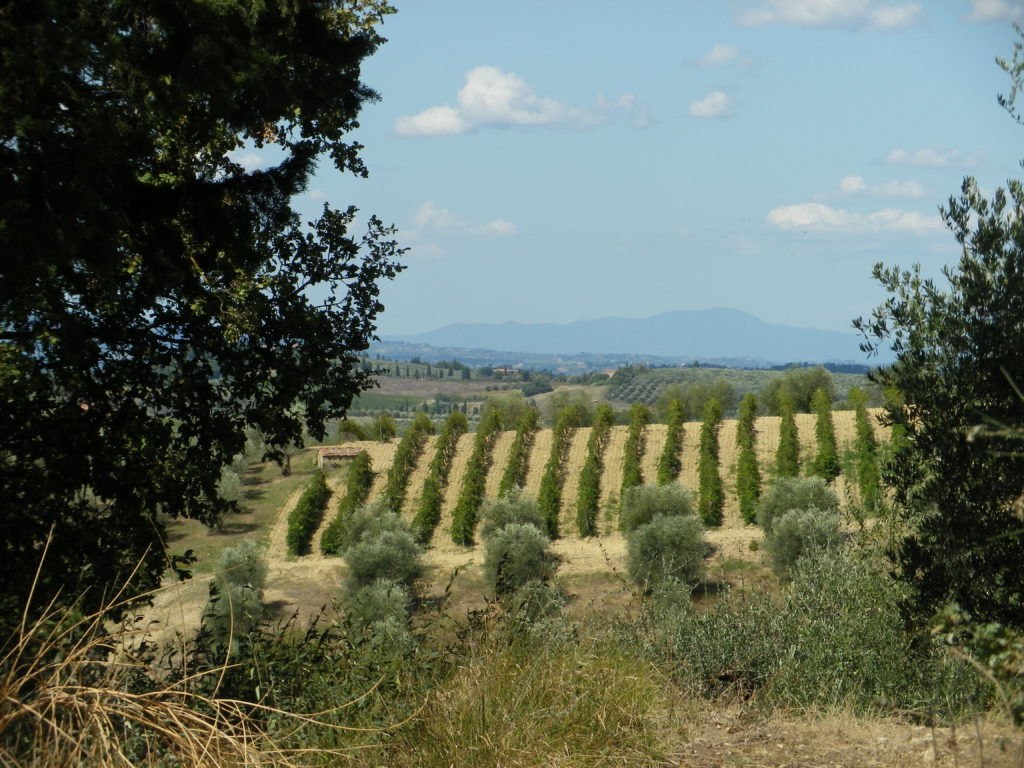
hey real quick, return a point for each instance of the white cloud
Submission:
(816, 217)
(250, 161)
(496, 227)
(855, 185)
(429, 215)
(995, 10)
(929, 157)
(493, 97)
(720, 54)
(436, 121)
(832, 13)
(319, 195)
(715, 104)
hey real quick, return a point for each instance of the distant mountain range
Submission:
(682, 336)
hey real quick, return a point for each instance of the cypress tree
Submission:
(712, 498)
(866, 449)
(670, 462)
(428, 509)
(549, 496)
(748, 475)
(787, 455)
(589, 496)
(514, 475)
(406, 455)
(826, 461)
(471, 496)
(639, 417)
(357, 488)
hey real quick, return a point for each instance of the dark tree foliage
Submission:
(959, 364)
(711, 498)
(156, 298)
(748, 474)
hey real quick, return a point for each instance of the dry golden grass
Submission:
(538, 458)
(499, 458)
(614, 452)
(575, 456)
(655, 436)
(417, 477)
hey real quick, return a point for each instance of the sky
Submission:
(558, 161)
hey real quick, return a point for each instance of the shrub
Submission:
(366, 522)
(834, 637)
(305, 518)
(642, 503)
(378, 601)
(711, 497)
(514, 555)
(826, 461)
(236, 595)
(390, 554)
(667, 548)
(794, 493)
(798, 533)
(357, 488)
(670, 461)
(512, 508)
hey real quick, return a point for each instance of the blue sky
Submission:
(556, 161)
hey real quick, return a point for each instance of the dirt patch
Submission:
(734, 738)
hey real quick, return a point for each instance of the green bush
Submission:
(794, 493)
(799, 533)
(515, 555)
(366, 522)
(378, 601)
(667, 548)
(236, 595)
(390, 554)
(833, 638)
(305, 518)
(642, 503)
(513, 508)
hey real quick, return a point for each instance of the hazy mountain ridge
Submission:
(683, 336)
